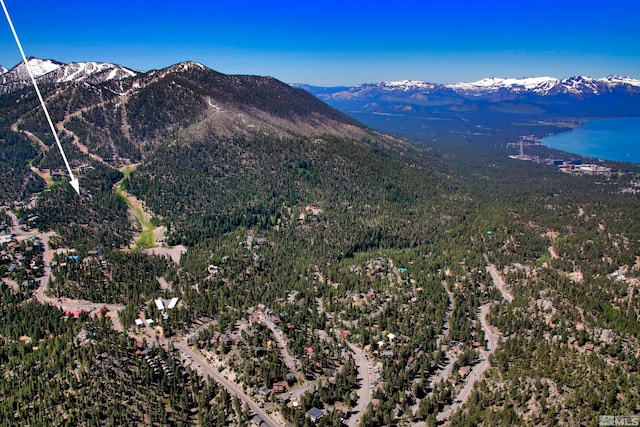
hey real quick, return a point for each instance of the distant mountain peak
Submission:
(618, 80)
(53, 72)
(39, 67)
(186, 66)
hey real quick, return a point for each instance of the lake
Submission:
(610, 139)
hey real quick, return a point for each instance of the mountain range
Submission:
(495, 110)
(492, 88)
(544, 97)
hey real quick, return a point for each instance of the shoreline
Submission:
(584, 147)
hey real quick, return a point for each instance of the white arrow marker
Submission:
(74, 181)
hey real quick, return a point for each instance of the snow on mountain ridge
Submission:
(408, 84)
(79, 71)
(3, 70)
(545, 85)
(617, 80)
(497, 83)
(47, 71)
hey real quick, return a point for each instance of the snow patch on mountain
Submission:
(185, 66)
(77, 71)
(407, 85)
(3, 70)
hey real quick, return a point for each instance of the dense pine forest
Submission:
(305, 228)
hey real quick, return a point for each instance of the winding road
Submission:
(492, 340)
(499, 283)
(363, 365)
(478, 370)
(492, 337)
(65, 304)
(444, 372)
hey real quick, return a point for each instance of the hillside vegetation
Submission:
(346, 237)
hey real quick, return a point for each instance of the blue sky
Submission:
(338, 42)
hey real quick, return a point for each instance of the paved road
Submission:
(447, 317)
(499, 283)
(230, 386)
(289, 360)
(365, 392)
(445, 372)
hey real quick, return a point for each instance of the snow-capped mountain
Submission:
(489, 87)
(542, 97)
(3, 70)
(47, 71)
(546, 85)
(94, 72)
(494, 84)
(39, 67)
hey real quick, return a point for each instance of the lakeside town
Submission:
(572, 166)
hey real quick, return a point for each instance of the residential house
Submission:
(315, 414)
(290, 378)
(264, 391)
(464, 371)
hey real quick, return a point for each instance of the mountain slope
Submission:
(180, 122)
(139, 110)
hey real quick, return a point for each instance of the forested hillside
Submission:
(351, 269)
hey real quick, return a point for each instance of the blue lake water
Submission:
(610, 139)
